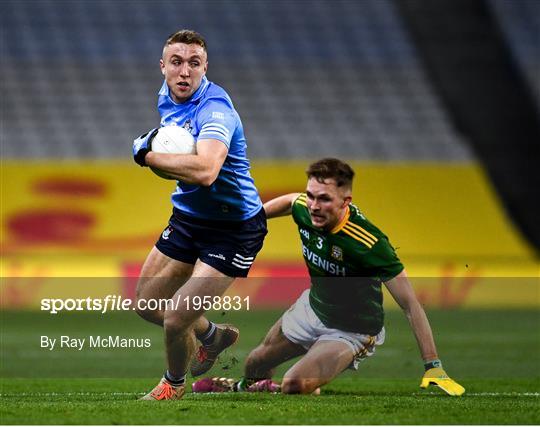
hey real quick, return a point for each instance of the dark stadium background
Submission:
(435, 103)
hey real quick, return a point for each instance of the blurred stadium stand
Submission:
(520, 24)
(310, 78)
(79, 77)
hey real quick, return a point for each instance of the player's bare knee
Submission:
(153, 316)
(298, 386)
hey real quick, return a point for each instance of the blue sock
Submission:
(175, 381)
(207, 337)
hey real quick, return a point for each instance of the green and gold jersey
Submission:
(347, 266)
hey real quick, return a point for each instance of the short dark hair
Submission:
(328, 168)
(187, 37)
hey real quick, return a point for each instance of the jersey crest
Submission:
(337, 253)
(187, 125)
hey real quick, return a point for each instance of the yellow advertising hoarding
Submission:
(100, 218)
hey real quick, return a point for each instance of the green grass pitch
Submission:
(494, 354)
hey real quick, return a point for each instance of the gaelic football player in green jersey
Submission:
(339, 320)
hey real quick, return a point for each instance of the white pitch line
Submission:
(80, 393)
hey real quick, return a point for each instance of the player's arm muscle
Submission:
(200, 169)
(280, 206)
(402, 291)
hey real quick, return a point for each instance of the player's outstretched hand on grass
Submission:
(438, 377)
(142, 145)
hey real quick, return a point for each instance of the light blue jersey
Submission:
(210, 113)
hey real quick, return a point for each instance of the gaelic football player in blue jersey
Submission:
(218, 224)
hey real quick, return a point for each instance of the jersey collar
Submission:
(342, 223)
(200, 92)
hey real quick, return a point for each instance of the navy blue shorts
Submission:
(230, 247)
